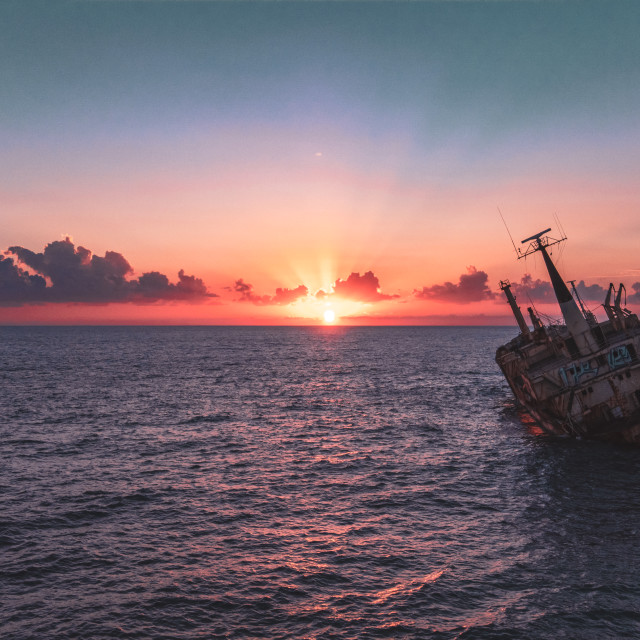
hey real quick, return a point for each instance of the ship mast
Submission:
(575, 321)
(505, 285)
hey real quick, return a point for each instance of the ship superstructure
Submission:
(580, 378)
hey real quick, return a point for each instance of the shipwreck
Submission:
(580, 378)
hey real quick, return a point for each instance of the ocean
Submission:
(320, 483)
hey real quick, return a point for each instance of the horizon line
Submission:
(287, 326)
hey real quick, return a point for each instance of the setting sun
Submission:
(329, 316)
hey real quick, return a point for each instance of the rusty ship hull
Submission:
(581, 378)
(592, 396)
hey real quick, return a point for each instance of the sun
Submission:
(329, 316)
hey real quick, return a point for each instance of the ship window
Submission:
(599, 336)
(572, 347)
(632, 352)
(637, 396)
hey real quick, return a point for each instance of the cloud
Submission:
(287, 296)
(542, 290)
(282, 296)
(634, 297)
(17, 286)
(472, 287)
(533, 290)
(591, 292)
(156, 286)
(64, 273)
(361, 288)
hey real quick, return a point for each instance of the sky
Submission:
(211, 162)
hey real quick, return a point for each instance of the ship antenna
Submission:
(557, 219)
(538, 242)
(509, 232)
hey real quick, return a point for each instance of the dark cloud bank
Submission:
(360, 288)
(542, 291)
(64, 273)
(471, 287)
(281, 297)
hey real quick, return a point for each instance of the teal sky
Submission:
(425, 71)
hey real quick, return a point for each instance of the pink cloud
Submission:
(472, 287)
(282, 296)
(361, 288)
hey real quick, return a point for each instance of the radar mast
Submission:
(575, 321)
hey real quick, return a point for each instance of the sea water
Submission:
(213, 482)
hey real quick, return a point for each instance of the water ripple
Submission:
(299, 483)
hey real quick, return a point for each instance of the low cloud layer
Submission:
(542, 291)
(593, 292)
(64, 273)
(282, 296)
(17, 286)
(533, 290)
(359, 288)
(472, 287)
(362, 288)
